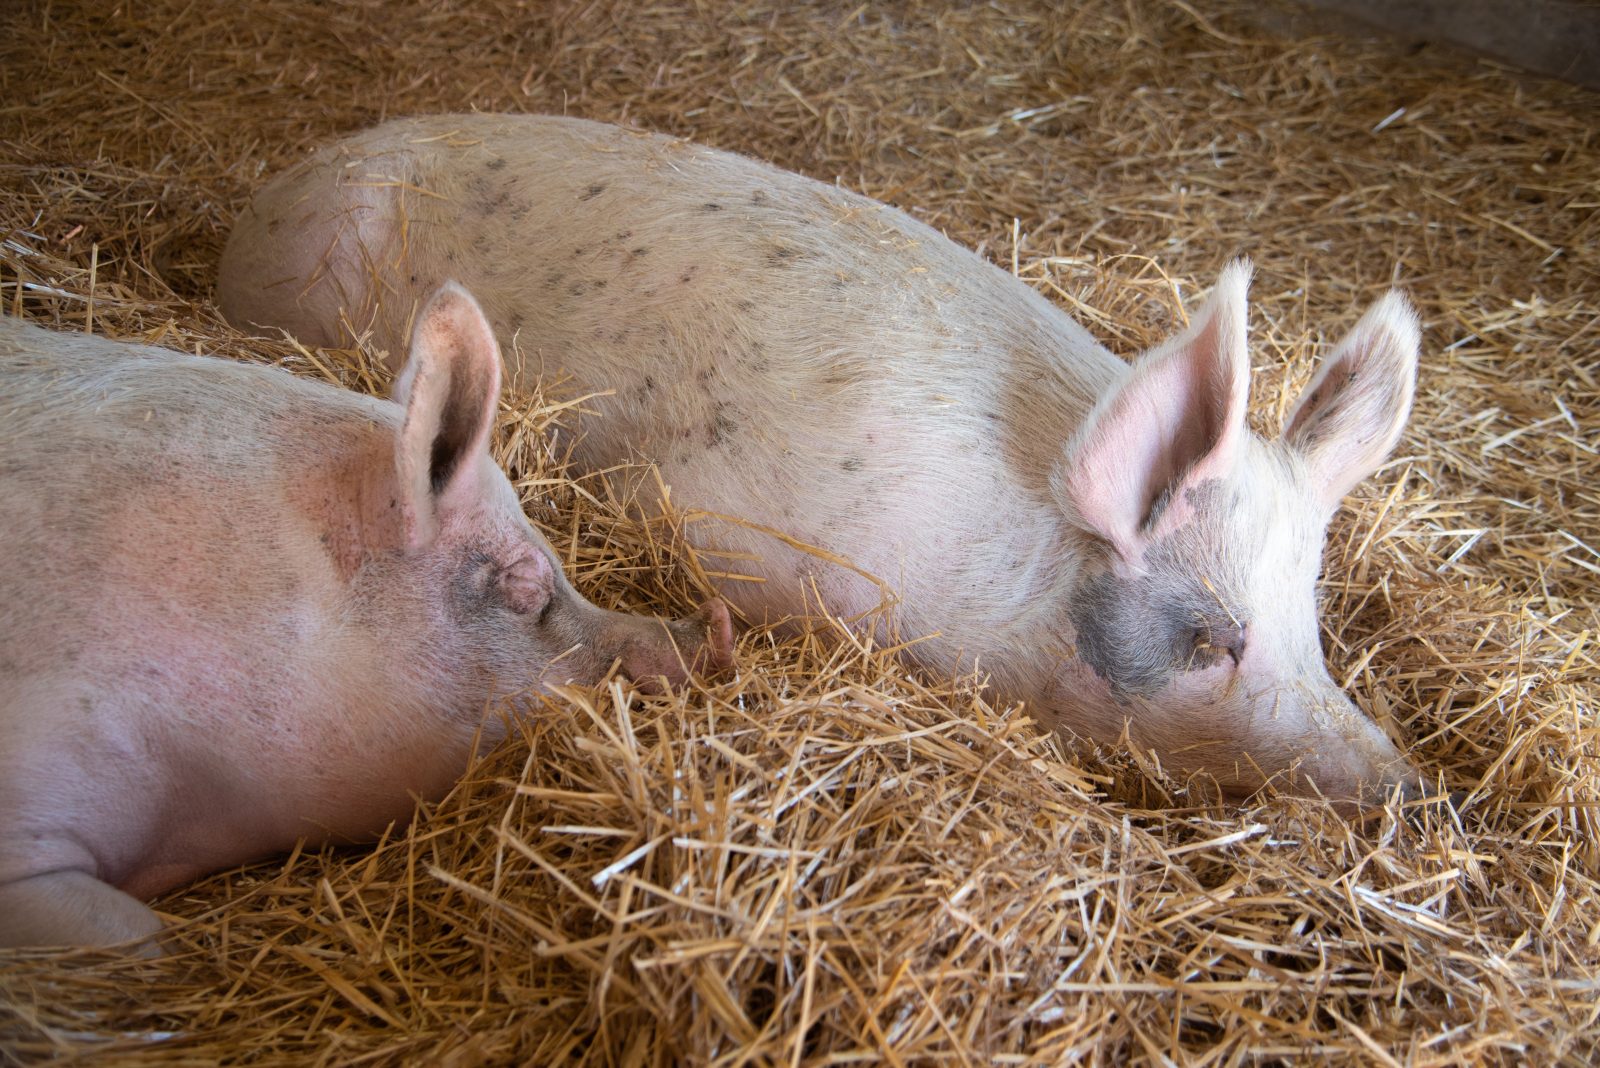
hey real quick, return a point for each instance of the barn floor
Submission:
(827, 859)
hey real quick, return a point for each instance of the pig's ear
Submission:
(1352, 413)
(1176, 421)
(450, 390)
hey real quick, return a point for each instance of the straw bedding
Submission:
(827, 859)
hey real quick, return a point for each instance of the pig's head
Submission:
(1195, 619)
(496, 613)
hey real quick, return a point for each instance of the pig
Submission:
(239, 609)
(851, 407)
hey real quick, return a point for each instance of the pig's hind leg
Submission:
(73, 908)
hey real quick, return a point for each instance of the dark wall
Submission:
(1557, 37)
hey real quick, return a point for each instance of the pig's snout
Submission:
(1386, 777)
(717, 627)
(1354, 763)
(702, 643)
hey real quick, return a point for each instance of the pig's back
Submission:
(66, 392)
(789, 353)
(690, 282)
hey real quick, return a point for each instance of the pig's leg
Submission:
(72, 908)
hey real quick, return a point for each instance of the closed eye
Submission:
(1210, 641)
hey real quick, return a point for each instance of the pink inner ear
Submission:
(1355, 408)
(1177, 421)
(450, 391)
(413, 455)
(529, 583)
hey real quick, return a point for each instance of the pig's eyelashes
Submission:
(1202, 653)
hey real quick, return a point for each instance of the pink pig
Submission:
(1109, 543)
(239, 608)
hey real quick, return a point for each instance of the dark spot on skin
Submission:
(450, 255)
(515, 324)
(580, 250)
(623, 235)
(746, 305)
(758, 198)
(852, 463)
(782, 256)
(837, 378)
(649, 383)
(640, 251)
(592, 192)
(578, 289)
(722, 424)
(993, 417)
(711, 205)
(688, 275)
(496, 164)
(553, 279)
(413, 279)
(485, 200)
(703, 375)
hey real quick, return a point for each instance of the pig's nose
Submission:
(1421, 797)
(702, 643)
(716, 652)
(1396, 773)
